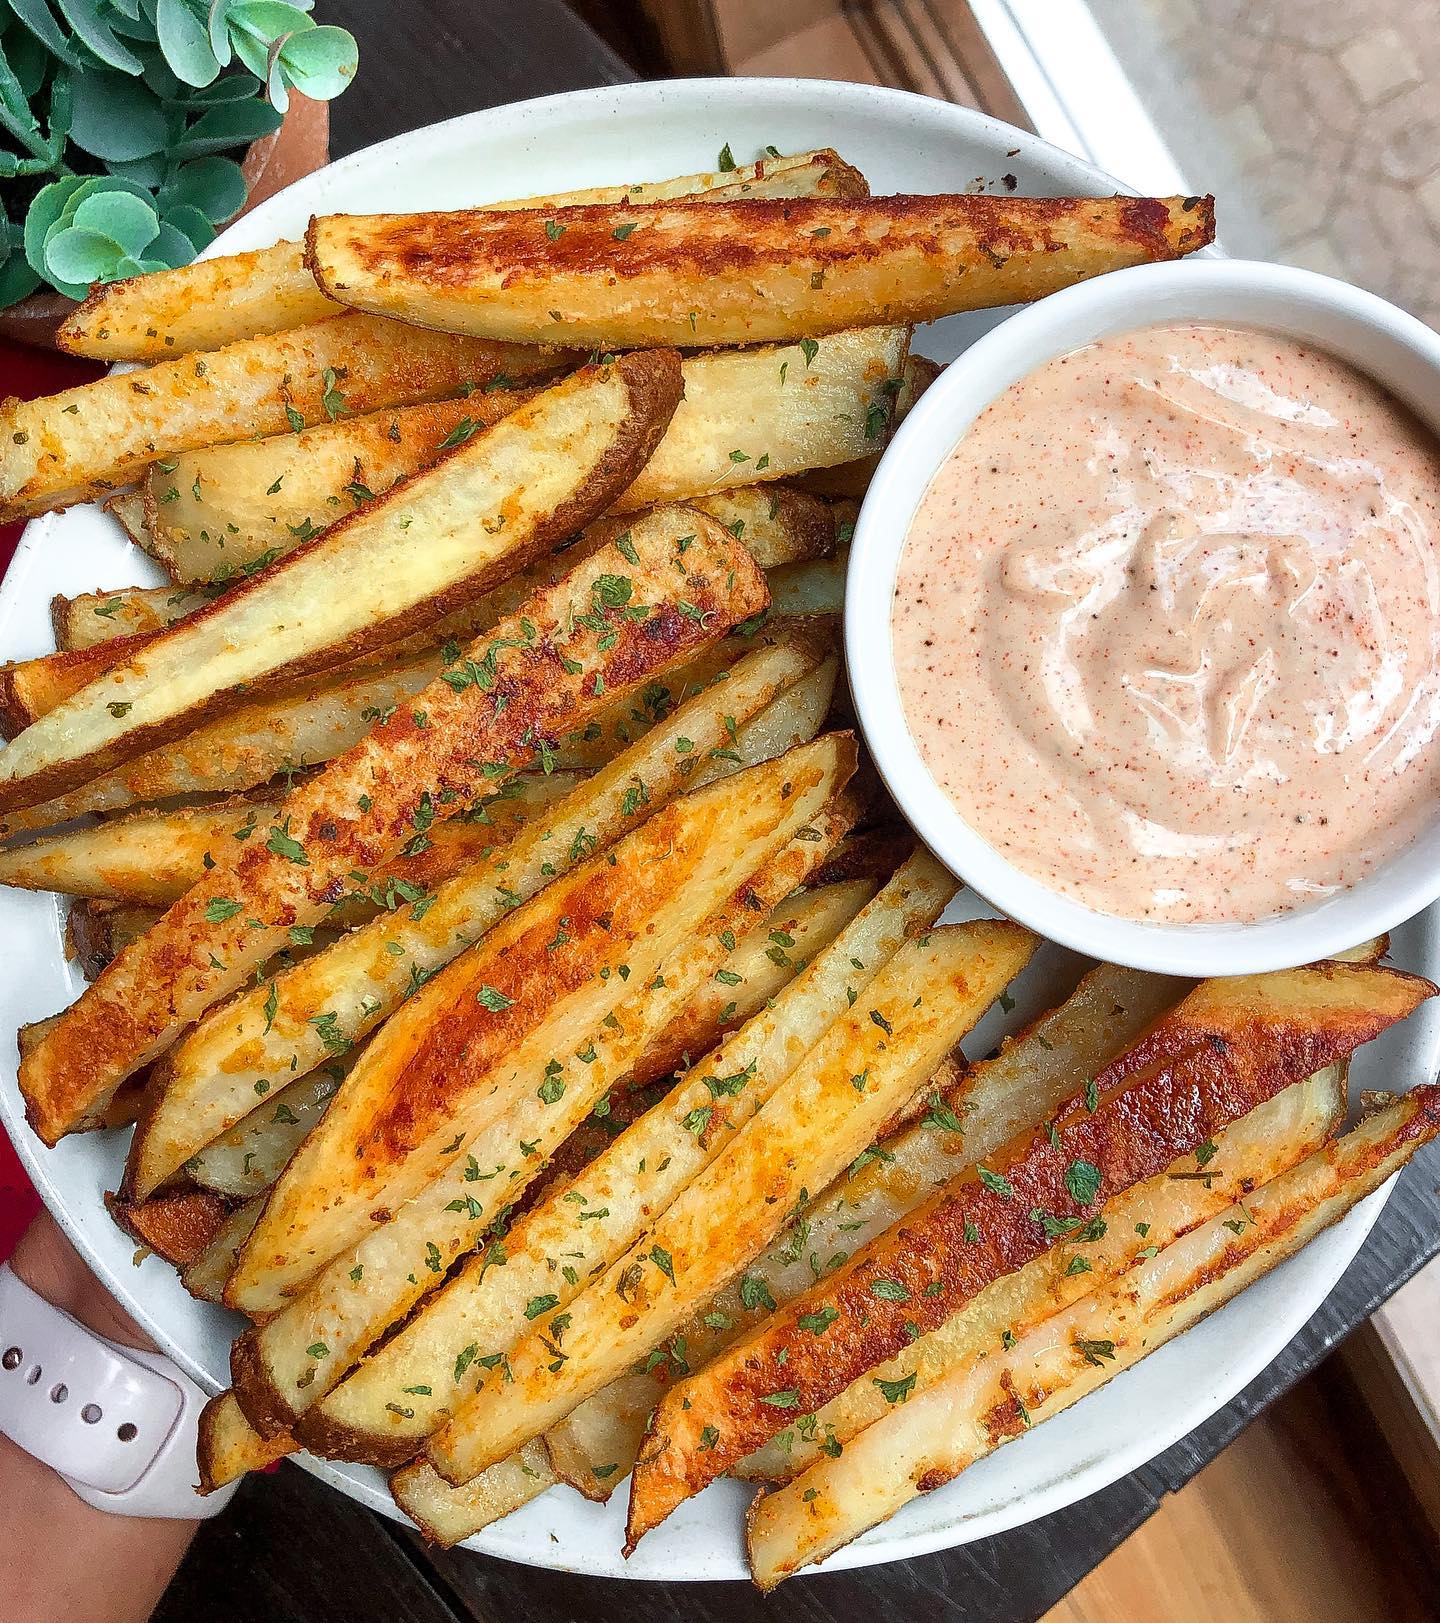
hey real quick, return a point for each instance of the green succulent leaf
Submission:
(128, 9)
(170, 248)
(237, 85)
(185, 41)
(116, 117)
(88, 20)
(321, 62)
(129, 221)
(255, 27)
(75, 257)
(192, 225)
(29, 59)
(229, 125)
(17, 280)
(46, 207)
(148, 172)
(217, 25)
(40, 20)
(214, 186)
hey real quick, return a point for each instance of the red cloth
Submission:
(26, 372)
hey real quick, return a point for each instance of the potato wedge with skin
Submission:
(208, 1081)
(446, 1515)
(492, 506)
(218, 512)
(762, 965)
(215, 302)
(443, 1198)
(1258, 1147)
(933, 1436)
(93, 618)
(906, 1020)
(417, 767)
(127, 508)
(249, 1158)
(814, 588)
(204, 1276)
(629, 1184)
(312, 724)
(771, 413)
(1228, 1047)
(1020, 1087)
(178, 1224)
(744, 272)
(73, 446)
(380, 1141)
(848, 481)
(153, 858)
(95, 932)
(228, 1446)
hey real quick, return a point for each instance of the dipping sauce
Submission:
(1167, 625)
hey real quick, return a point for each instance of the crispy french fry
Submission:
(366, 581)
(813, 1124)
(225, 510)
(99, 617)
(387, 791)
(447, 1515)
(468, 1095)
(153, 858)
(748, 272)
(96, 932)
(215, 302)
(228, 1446)
(848, 481)
(127, 508)
(204, 1275)
(209, 1081)
(594, 1220)
(780, 525)
(773, 412)
(981, 1404)
(249, 1158)
(814, 588)
(1228, 1047)
(762, 965)
(72, 446)
(1260, 1146)
(312, 724)
(1020, 1087)
(797, 714)
(176, 1224)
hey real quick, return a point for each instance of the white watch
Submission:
(118, 1424)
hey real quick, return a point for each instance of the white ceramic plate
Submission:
(643, 132)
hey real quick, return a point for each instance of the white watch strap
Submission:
(118, 1424)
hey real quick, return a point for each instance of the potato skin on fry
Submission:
(176, 1225)
(736, 273)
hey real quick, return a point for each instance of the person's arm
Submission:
(62, 1559)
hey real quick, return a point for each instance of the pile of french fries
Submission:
(530, 1011)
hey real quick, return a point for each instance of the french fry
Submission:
(442, 1098)
(209, 1081)
(387, 790)
(762, 965)
(780, 525)
(225, 510)
(814, 588)
(228, 1446)
(983, 1403)
(630, 1183)
(153, 858)
(99, 617)
(75, 445)
(1021, 1087)
(247, 1160)
(1228, 1047)
(770, 413)
(178, 1224)
(366, 581)
(96, 932)
(871, 1060)
(749, 272)
(848, 481)
(1271, 1139)
(205, 1275)
(202, 306)
(307, 726)
(447, 1515)
(127, 508)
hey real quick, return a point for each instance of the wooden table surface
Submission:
(290, 1550)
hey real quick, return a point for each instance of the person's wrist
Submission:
(46, 1261)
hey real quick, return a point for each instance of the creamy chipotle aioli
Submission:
(1167, 624)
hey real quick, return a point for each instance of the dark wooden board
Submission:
(290, 1550)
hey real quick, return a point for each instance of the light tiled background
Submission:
(1318, 119)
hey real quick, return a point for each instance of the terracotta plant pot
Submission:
(299, 147)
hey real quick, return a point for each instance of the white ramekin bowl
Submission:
(1396, 350)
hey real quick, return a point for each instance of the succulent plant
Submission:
(118, 118)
